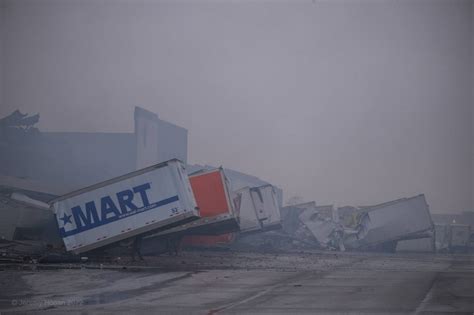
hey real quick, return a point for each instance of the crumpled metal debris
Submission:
(312, 224)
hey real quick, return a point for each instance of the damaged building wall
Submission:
(158, 140)
(72, 160)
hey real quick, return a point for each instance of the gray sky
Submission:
(352, 102)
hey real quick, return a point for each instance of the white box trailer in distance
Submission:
(459, 235)
(402, 219)
(151, 199)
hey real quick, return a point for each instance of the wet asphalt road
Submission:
(235, 283)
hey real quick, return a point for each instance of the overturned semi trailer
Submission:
(257, 202)
(218, 214)
(251, 205)
(382, 226)
(258, 209)
(155, 198)
(257, 212)
(239, 180)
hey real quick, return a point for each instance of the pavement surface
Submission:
(250, 283)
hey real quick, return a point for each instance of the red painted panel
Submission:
(209, 193)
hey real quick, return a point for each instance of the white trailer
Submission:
(402, 219)
(148, 200)
(260, 201)
(248, 219)
(459, 235)
(265, 199)
(257, 208)
(213, 197)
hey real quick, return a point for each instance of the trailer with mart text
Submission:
(152, 199)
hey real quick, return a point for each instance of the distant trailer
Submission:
(459, 237)
(155, 198)
(213, 198)
(442, 237)
(386, 224)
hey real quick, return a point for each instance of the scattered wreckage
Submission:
(162, 204)
(371, 228)
(144, 201)
(172, 204)
(257, 212)
(381, 226)
(313, 225)
(156, 204)
(27, 226)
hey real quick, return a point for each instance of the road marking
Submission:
(427, 298)
(429, 293)
(253, 297)
(299, 276)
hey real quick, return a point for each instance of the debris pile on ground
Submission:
(370, 228)
(167, 206)
(312, 224)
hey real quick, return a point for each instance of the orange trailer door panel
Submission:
(210, 189)
(210, 194)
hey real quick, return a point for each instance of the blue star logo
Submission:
(66, 219)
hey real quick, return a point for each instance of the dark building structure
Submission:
(71, 160)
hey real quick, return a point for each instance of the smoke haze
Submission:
(352, 102)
